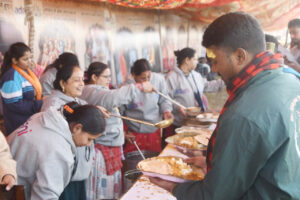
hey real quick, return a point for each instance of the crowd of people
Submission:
(65, 139)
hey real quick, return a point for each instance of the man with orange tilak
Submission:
(254, 152)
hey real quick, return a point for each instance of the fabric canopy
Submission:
(272, 14)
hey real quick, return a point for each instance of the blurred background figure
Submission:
(294, 30)
(271, 43)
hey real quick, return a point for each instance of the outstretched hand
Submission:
(104, 111)
(182, 111)
(168, 115)
(146, 87)
(129, 137)
(198, 161)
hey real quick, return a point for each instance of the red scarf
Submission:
(261, 62)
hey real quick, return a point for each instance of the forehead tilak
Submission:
(210, 54)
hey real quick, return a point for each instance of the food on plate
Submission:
(208, 116)
(191, 140)
(188, 142)
(170, 165)
(202, 139)
(192, 130)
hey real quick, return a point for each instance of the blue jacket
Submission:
(18, 98)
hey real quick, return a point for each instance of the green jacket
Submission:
(257, 148)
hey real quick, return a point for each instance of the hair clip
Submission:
(210, 54)
(68, 109)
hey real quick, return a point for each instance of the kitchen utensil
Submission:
(161, 124)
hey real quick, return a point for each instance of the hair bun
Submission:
(177, 52)
(68, 109)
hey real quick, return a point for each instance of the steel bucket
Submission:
(131, 174)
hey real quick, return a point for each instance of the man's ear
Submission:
(241, 56)
(76, 129)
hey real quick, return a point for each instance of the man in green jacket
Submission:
(254, 153)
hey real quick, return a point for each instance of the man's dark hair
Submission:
(235, 30)
(294, 23)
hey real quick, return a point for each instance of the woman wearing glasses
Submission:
(107, 163)
(45, 148)
(68, 86)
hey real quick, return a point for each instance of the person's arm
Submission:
(240, 153)
(52, 176)
(12, 96)
(164, 104)
(110, 99)
(7, 164)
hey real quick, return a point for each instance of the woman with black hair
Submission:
(45, 147)
(49, 74)
(186, 86)
(147, 107)
(68, 86)
(107, 163)
(21, 90)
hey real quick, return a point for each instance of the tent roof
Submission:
(272, 14)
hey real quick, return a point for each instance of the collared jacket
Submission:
(7, 164)
(45, 153)
(18, 98)
(257, 149)
(181, 88)
(84, 154)
(110, 99)
(148, 106)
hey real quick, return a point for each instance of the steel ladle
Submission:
(161, 124)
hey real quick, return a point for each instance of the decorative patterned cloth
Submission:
(112, 157)
(261, 62)
(275, 15)
(100, 185)
(147, 141)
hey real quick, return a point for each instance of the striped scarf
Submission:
(261, 62)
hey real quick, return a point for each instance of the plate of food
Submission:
(190, 140)
(170, 168)
(208, 117)
(192, 130)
